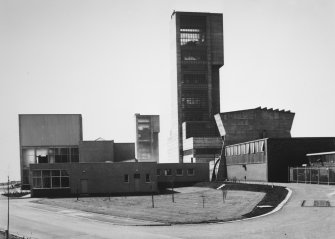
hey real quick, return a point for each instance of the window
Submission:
(243, 149)
(190, 172)
(238, 149)
(63, 155)
(230, 151)
(137, 175)
(193, 78)
(252, 148)
(235, 150)
(247, 146)
(179, 172)
(192, 37)
(168, 172)
(256, 147)
(126, 178)
(147, 178)
(261, 146)
(158, 172)
(74, 155)
(50, 179)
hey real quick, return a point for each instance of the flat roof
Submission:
(322, 153)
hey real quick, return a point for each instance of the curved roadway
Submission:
(292, 221)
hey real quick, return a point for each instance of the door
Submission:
(83, 186)
(137, 178)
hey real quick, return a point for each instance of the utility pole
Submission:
(7, 234)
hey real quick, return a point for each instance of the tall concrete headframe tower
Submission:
(197, 55)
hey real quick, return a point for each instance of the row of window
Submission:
(137, 176)
(247, 148)
(192, 39)
(194, 78)
(193, 102)
(50, 155)
(165, 172)
(179, 172)
(193, 55)
(50, 179)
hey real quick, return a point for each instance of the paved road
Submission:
(293, 221)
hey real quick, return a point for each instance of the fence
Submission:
(317, 175)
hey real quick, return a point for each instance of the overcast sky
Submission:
(108, 60)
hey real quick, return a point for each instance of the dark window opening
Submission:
(42, 159)
(168, 172)
(126, 178)
(147, 178)
(190, 172)
(179, 172)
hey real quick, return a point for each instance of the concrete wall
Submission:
(96, 151)
(201, 173)
(124, 151)
(251, 172)
(202, 142)
(103, 178)
(53, 129)
(245, 125)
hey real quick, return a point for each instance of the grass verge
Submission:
(274, 195)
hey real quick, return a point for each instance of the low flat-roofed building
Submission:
(98, 178)
(92, 179)
(269, 159)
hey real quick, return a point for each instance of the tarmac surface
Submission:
(315, 219)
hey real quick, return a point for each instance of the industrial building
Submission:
(48, 139)
(55, 161)
(197, 56)
(147, 141)
(258, 145)
(269, 159)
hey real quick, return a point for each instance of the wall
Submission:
(251, 172)
(103, 178)
(53, 129)
(124, 151)
(201, 173)
(252, 124)
(96, 151)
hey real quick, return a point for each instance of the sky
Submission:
(108, 60)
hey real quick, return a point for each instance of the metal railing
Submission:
(316, 175)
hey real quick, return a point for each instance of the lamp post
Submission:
(7, 234)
